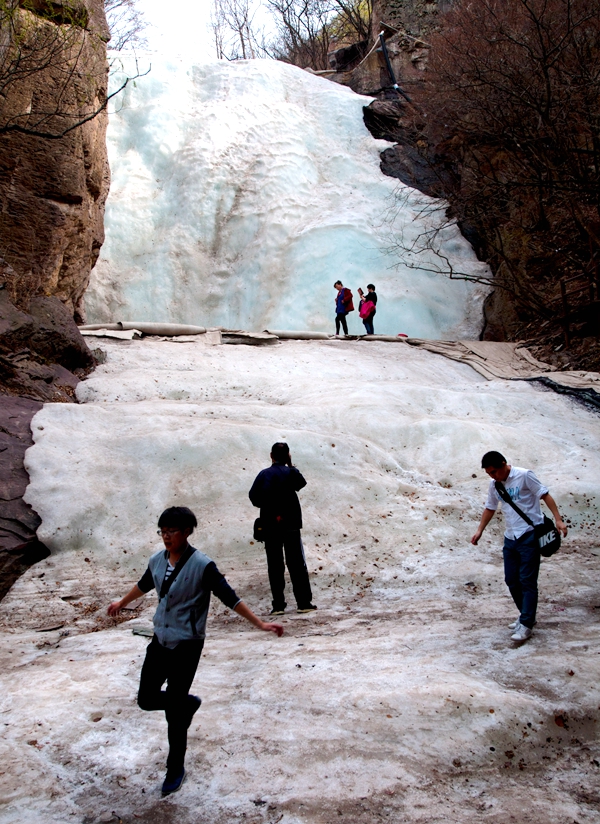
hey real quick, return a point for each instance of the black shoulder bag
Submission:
(259, 531)
(548, 536)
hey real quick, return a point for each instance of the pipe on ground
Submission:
(166, 329)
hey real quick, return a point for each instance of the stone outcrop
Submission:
(43, 354)
(53, 188)
(416, 17)
(19, 546)
(405, 25)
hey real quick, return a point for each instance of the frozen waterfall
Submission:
(241, 191)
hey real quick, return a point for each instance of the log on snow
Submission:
(298, 335)
(163, 329)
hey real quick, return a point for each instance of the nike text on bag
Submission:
(548, 536)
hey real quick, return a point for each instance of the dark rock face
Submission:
(42, 354)
(385, 119)
(346, 58)
(19, 547)
(52, 191)
(416, 17)
(406, 164)
(55, 335)
(501, 320)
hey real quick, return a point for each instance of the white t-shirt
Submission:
(525, 490)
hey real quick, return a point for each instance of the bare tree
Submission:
(126, 24)
(55, 42)
(307, 29)
(303, 32)
(351, 20)
(234, 33)
(508, 116)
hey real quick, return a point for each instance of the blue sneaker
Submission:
(173, 782)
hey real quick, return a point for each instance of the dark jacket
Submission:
(274, 491)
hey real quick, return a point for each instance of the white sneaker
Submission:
(521, 633)
(515, 624)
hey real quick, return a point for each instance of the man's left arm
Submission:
(551, 504)
(217, 583)
(267, 626)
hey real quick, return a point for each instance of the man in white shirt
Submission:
(521, 551)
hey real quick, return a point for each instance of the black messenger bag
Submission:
(548, 536)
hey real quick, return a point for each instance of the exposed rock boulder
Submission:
(501, 319)
(43, 355)
(406, 164)
(55, 335)
(19, 546)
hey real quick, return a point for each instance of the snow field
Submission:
(403, 694)
(240, 192)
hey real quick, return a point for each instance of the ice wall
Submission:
(241, 191)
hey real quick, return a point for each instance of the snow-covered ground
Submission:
(402, 698)
(241, 191)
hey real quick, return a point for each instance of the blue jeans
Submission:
(521, 569)
(368, 324)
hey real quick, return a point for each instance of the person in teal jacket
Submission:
(184, 579)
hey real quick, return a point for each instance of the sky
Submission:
(179, 28)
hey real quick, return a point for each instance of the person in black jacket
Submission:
(274, 491)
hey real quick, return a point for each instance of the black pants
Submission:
(275, 545)
(177, 667)
(341, 318)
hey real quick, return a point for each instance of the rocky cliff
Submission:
(54, 174)
(54, 180)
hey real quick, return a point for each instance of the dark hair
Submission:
(178, 517)
(338, 281)
(371, 286)
(494, 459)
(280, 452)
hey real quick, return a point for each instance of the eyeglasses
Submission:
(168, 531)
